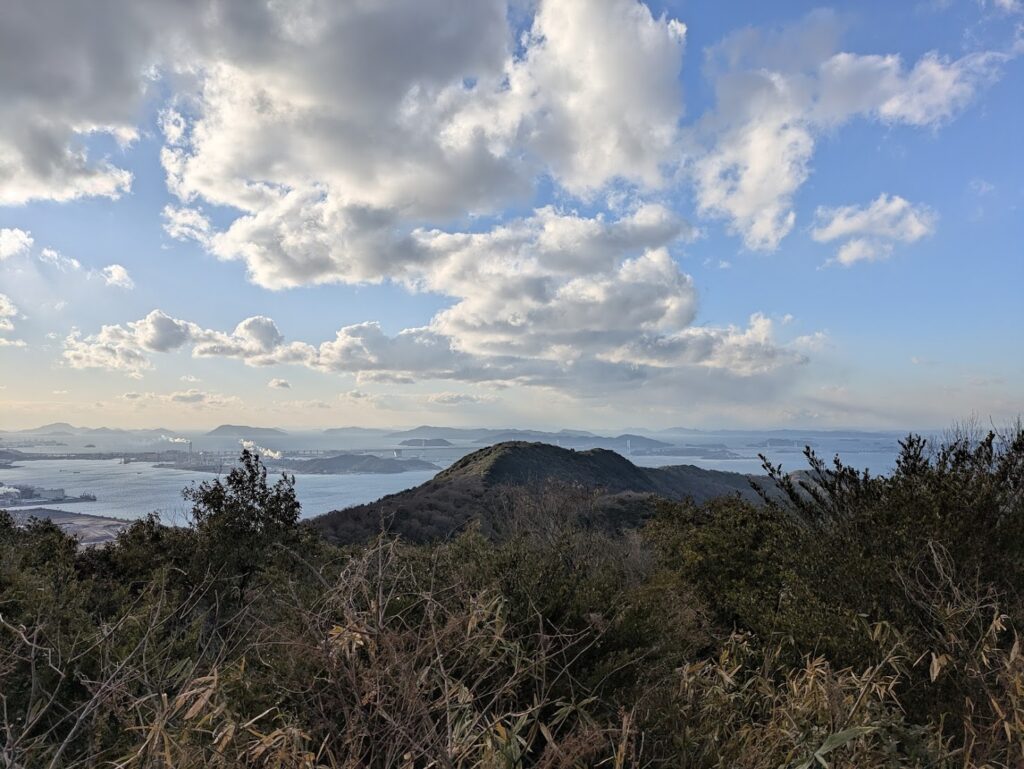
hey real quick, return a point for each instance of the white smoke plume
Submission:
(172, 439)
(268, 453)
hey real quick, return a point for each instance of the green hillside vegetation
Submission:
(608, 490)
(843, 621)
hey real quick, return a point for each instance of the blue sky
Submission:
(596, 214)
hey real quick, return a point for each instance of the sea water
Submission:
(133, 490)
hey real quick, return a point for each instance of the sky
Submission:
(562, 213)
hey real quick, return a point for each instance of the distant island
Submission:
(342, 464)
(66, 429)
(345, 464)
(695, 452)
(9, 456)
(627, 443)
(774, 443)
(53, 427)
(482, 434)
(353, 431)
(244, 431)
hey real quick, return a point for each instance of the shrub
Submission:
(850, 621)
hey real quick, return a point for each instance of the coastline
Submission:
(91, 530)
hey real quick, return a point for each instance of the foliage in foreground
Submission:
(852, 622)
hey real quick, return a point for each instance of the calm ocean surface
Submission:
(134, 490)
(878, 462)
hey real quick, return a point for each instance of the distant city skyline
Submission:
(591, 214)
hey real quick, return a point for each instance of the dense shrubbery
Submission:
(851, 621)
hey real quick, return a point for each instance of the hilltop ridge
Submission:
(477, 487)
(521, 463)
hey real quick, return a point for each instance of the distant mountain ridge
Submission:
(476, 488)
(64, 428)
(244, 431)
(53, 427)
(344, 464)
(573, 439)
(570, 439)
(353, 431)
(449, 433)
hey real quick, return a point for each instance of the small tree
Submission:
(241, 519)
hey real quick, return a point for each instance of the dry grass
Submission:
(382, 669)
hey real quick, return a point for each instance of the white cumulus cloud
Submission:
(869, 232)
(8, 311)
(456, 399)
(56, 259)
(777, 93)
(117, 275)
(14, 242)
(416, 142)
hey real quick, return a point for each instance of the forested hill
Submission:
(478, 486)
